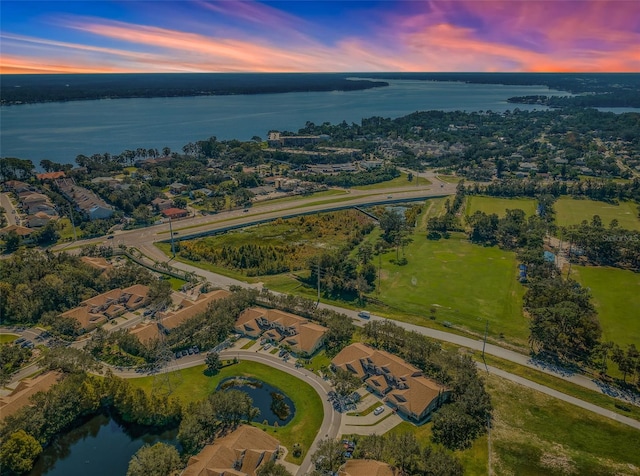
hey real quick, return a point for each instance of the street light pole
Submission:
(173, 250)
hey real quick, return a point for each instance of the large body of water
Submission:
(61, 131)
(99, 447)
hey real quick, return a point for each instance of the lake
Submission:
(61, 131)
(99, 447)
(274, 405)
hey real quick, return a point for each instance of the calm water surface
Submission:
(61, 131)
(99, 447)
(263, 396)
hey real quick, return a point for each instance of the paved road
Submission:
(264, 212)
(9, 211)
(331, 420)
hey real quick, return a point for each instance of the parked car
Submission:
(378, 410)
(267, 347)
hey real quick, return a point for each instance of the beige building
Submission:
(301, 335)
(366, 467)
(189, 309)
(96, 310)
(239, 453)
(20, 396)
(402, 385)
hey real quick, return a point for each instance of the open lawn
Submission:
(534, 434)
(570, 211)
(324, 193)
(467, 284)
(6, 338)
(193, 385)
(401, 181)
(499, 206)
(176, 283)
(616, 295)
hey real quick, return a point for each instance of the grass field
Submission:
(6, 338)
(401, 181)
(572, 212)
(176, 283)
(468, 284)
(616, 295)
(193, 385)
(534, 434)
(499, 206)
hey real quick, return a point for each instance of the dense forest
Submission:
(32, 88)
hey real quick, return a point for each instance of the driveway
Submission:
(9, 211)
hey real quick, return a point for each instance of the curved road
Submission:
(331, 419)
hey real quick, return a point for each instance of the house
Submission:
(366, 467)
(20, 230)
(175, 213)
(16, 186)
(97, 263)
(201, 191)
(85, 200)
(161, 203)
(177, 188)
(145, 333)
(399, 383)
(106, 306)
(301, 335)
(189, 309)
(21, 395)
(240, 453)
(38, 220)
(50, 176)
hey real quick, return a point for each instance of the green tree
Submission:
(345, 382)
(453, 428)
(160, 294)
(271, 468)
(213, 362)
(19, 452)
(157, 460)
(11, 241)
(69, 360)
(328, 457)
(439, 462)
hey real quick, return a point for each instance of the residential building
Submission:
(97, 263)
(401, 385)
(20, 230)
(21, 395)
(50, 176)
(188, 309)
(85, 200)
(366, 467)
(240, 453)
(162, 203)
(177, 188)
(301, 335)
(174, 213)
(96, 310)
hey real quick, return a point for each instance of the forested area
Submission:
(37, 287)
(285, 245)
(26, 88)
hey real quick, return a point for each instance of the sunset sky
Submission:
(296, 36)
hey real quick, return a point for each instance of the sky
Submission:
(101, 36)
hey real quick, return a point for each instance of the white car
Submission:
(266, 347)
(378, 410)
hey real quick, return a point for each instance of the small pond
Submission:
(99, 447)
(274, 405)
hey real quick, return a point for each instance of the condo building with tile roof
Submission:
(402, 385)
(239, 453)
(301, 335)
(106, 306)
